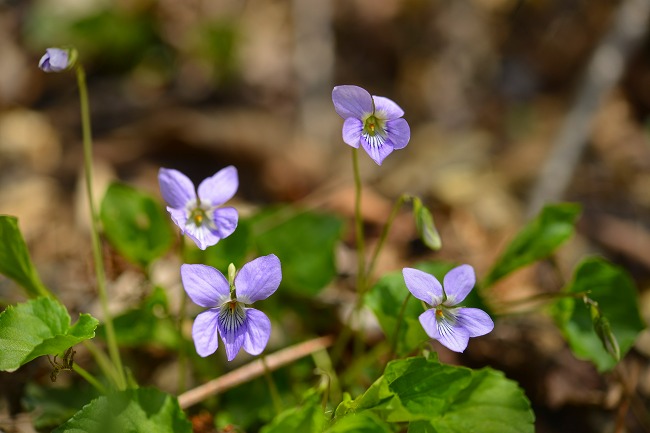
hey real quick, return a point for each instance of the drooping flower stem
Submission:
(275, 395)
(358, 219)
(505, 308)
(94, 229)
(330, 384)
(384, 234)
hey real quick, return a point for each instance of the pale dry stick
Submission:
(629, 238)
(603, 71)
(313, 64)
(252, 370)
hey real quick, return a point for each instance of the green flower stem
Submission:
(94, 232)
(90, 379)
(400, 318)
(341, 341)
(41, 290)
(182, 356)
(363, 272)
(346, 333)
(384, 234)
(103, 362)
(275, 395)
(358, 219)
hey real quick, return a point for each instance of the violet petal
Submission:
(179, 216)
(429, 323)
(351, 101)
(176, 188)
(204, 332)
(258, 279)
(205, 285)
(352, 128)
(386, 108)
(202, 236)
(399, 133)
(423, 286)
(220, 187)
(458, 283)
(225, 219)
(258, 331)
(477, 322)
(377, 152)
(54, 60)
(453, 338)
(233, 339)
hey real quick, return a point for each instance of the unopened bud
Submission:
(232, 271)
(57, 59)
(607, 337)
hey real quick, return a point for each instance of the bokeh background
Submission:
(511, 103)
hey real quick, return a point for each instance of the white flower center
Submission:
(374, 130)
(198, 215)
(446, 320)
(231, 315)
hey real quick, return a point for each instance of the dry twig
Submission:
(603, 71)
(628, 238)
(253, 370)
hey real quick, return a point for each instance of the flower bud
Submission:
(232, 271)
(57, 59)
(607, 337)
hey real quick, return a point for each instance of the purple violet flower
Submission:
(374, 122)
(226, 300)
(55, 60)
(451, 325)
(198, 214)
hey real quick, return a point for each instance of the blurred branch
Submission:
(603, 71)
(313, 59)
(252, 370)
(630, 239)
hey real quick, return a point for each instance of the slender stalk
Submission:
(384, 234)
(341, 341)
(345, 335)
(275, 395)
(182, 363)
(358, 219)
(182, 356)
(94, 232)
(363, 272)
(103, 362)
(90, 379)
(41, 290)
(400, 318)
(366, 272)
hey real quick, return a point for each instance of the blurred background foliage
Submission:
(487, 87)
